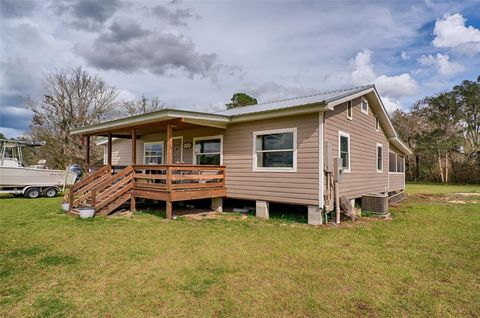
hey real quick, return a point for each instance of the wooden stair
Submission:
(115, 204)
(102, 190)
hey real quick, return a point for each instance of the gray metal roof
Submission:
(294, 102)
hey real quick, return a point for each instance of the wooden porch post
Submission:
(169, 144)
(134, 146)
(87, 159)
(109, 149)
(168, 212)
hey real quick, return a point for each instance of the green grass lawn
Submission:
(421, 188)
(424, 262)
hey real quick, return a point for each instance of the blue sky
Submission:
(195, 55)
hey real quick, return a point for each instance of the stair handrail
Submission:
(106, 183)
(79, 188)
(109, 187)
(99, 204)
(76, 186)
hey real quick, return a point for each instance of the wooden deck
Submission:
(106, 190)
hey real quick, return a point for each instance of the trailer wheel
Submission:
(51, 192)
(32, 193)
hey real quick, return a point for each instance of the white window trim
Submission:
(154, 142)
(361, 108)
(350, 105)
(181, 147)
(344, 134)
(195, 139)
(377, 123)
(274, 169)
(376, 157)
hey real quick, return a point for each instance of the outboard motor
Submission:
(77, 170)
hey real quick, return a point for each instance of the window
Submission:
(395, 163)
(275, 150)
(153, 153)
(344, 150)
(349, 110)
(364, 106)
(392, 162)
(207, 150)
(399, 164)
(377, 123)
(379, 158)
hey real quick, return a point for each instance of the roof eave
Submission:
(161, 115)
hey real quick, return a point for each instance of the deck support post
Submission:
(134, 146)
(109, 149)
(168, 210)
(314, 215)
(133, 204)
(87, 155)
(262, 209)
(217, 204)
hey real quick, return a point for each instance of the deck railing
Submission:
(179, 176)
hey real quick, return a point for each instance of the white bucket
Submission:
(66, 206)
(86, 213)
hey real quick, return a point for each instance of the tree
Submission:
(444, 133)
(71, 98)
(142, 105)
(467, 95)
(240, 100)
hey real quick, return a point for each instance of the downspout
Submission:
(321, 174)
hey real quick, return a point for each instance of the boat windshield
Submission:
(11, 152)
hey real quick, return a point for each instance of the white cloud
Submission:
(12, 132)
(394, 86)
(405, 56)
(124, 94)
(451, 32)
(391, 104)
(363, 69)
(442, 63)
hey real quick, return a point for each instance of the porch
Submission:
(108, 187)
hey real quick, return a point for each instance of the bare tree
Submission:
(142, 105)
(71, 98)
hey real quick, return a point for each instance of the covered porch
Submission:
(167, 179)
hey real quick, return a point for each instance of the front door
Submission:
(177, 150)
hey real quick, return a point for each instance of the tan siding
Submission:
(300, 187)
(363, 177)
(121, 147)
(397, 182)
(121, 152)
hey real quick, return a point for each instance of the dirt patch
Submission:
(467, 194)
(209, 215)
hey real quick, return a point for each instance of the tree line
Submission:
(444, 133)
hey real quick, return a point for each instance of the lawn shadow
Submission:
(157, 213)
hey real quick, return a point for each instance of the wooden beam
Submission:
(109, 149)
(157, 126)
(87, 159)
(169, 144)
(134, 146)
(133, 204)
(168, 210)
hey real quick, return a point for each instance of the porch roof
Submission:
(188, 119)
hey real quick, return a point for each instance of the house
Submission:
(278, 151)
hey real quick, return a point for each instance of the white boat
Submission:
(32, 181)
